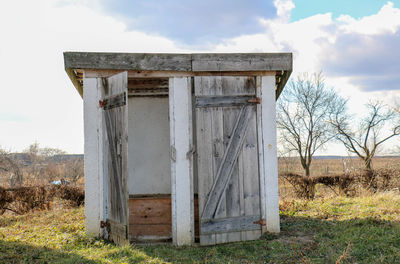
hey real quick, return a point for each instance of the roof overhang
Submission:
(280, 64)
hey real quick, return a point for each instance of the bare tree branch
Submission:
(365, 141)
(303, 114)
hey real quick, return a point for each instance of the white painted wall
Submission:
(270, 161)
(93, 129)
(180, 104)
(148, 147)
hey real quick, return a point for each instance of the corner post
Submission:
(181, 140)
(269, 166)
(93, 158)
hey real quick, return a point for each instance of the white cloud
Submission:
(386, 21)
(35, 86)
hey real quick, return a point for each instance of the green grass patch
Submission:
(348, 230)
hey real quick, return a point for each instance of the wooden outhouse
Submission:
(180, 147)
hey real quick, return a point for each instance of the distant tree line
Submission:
(36, 165)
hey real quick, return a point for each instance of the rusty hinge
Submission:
(260, 222)
(105, 225)
(102, 103)
(256, 100)
(113, 101)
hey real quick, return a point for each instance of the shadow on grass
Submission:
(16, 252)
(302, 240)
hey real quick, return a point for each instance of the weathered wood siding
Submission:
(116, 126)
(227, 160)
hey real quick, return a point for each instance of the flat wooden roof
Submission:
(168, 65)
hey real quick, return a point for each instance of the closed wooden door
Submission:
(115, 107)
(227, 159)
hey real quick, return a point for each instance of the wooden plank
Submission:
(150, 217)
(250, 179)
(157, 232)
(228, 163)
(223, 101)
(282, 83)
(260, 148)
(179, 62)
(74, 79)
(118, 232)
(218, 148)
(93, 165)
(141, 83)
(97, 73)
(270, 154)
(127, 61)
(204, 151)
(113, 101)
(234, 191)
(150, 211)
(230, 224)
(180, 105)
(117, 134)
(241, 61)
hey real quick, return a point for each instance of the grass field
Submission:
(333, 229)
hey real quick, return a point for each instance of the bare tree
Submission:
(11, 166)
(303, 114)
(365, 138)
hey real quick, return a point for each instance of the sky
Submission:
(355, 43)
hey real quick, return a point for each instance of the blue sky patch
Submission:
(354, 8)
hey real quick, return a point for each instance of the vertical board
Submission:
(181, 139)
(116, 130)
(227, 134)
(270, 163)
(93, 164)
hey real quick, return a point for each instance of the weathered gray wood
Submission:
(228, 162)
(241, 61)
(113, 101)
(204, 147)
(223, 101)
(217, 115)
(179, 62)
(117, 232)
(97, 73)
(230, 224)
(234, 191)
(282, 83)
(152, 65)
(260, 146)
(128, 61)
(250, 177)
(232, 203)
(117, 173)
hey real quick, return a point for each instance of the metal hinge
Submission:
(113, 101)
(105, 225)
(256, 100)
(260, 222)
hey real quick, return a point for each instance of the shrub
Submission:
(21, 200)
